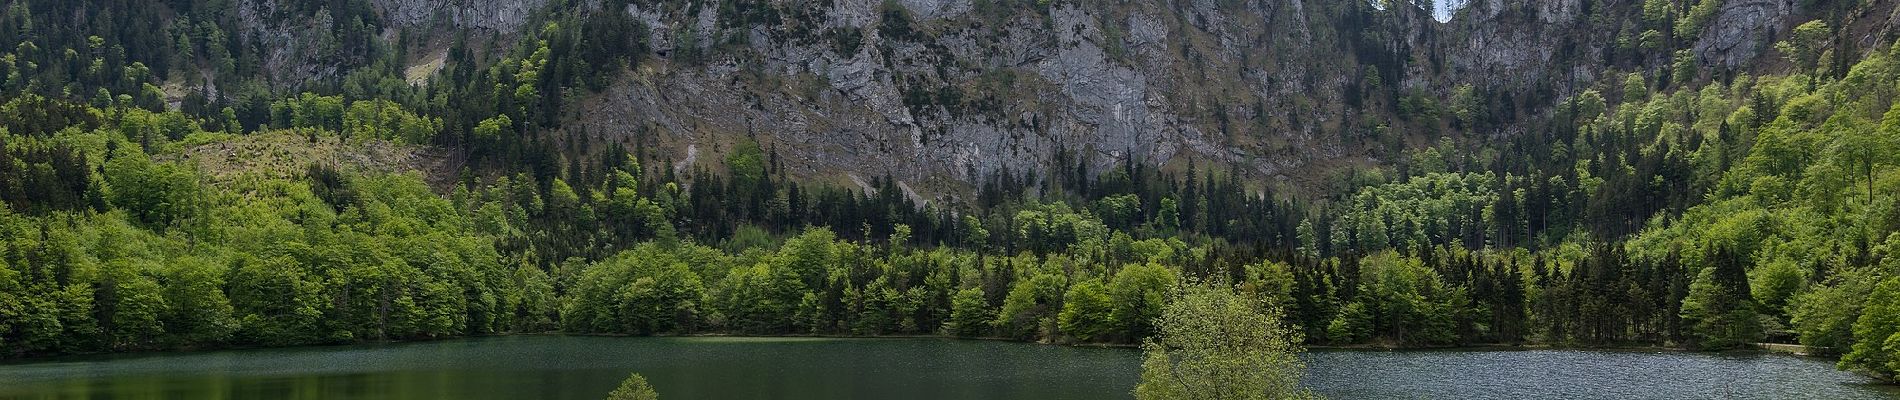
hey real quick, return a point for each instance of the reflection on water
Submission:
(1573, 374)
(554, 367)
(557, 367)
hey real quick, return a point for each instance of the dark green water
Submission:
(557, 367)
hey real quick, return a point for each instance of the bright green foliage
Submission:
(1352, 325)
(1085, 312)
(386, 120)
(1824, 316)
(645, 291)
(1720, 308)
(1138, 293)
(1774, 284)
(1657, 12)
(1214, 344)
(1806, 44)
(1055, 227)
(494, 128)
(176, 260)
(12, 307)
(970, 313)
(138, 304)
(1271, 281)
(199, 312)
(634, 388)
(1467, 107)
(309, 111)
(276, 303)
(1691, 23)
(1029, 310)
(1407, 302)
(157, 195)
(1635, 87)
(811, 255)
(1119, 212)
(761, 298)
(1169, 214)
(746, 162)
(1877, 333)
(1412, 214)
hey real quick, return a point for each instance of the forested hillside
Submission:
(173, 179)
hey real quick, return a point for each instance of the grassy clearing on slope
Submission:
(288, 154)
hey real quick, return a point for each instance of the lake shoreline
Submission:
(559, 366)
(1359, 347)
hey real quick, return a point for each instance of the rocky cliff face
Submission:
(299, 46)
(943, 90)
(949, 91)
(493, 15)
(1741, 31)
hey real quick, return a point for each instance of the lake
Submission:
(573, 367)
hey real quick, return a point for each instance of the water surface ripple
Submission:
(567, 367)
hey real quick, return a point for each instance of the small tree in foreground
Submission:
(1213, 344)
(634, 388)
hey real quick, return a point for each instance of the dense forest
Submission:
(1663, 207)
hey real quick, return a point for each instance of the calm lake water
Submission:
(560, 367)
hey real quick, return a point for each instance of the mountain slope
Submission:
(951, 92)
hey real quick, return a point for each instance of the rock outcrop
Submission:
(960, 92)
(493, 15)
(957, 90)
(300, 47)
(1741, 31)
